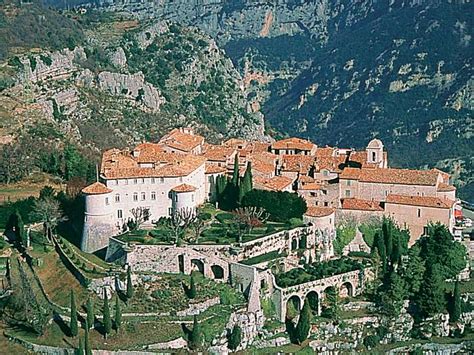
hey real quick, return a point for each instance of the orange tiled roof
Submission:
(422, 201)
(97, 188)
(218, 152)
(147, 152)
(236, 143)
(262, 167)
(215, 169)
(118, 164)
(182, 141)
(305, 179)
(442, 187)
(392, 176)
(297, 163)
(183, 188)
(276, 183)
(361, 205)
(293, 143)
(319, 211)
(309, 186)
(327, 159)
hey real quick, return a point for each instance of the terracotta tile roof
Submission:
(361, 205)
(182, 141)
(183, 188)
(445, 175)
(422, 201)
(118, 164)
(360, 157)
(297, 163)
(319, 211)
(218, 152)
(97, 188)
(147, 152)
(293, 143)
(276, 183)
(305, 179)
(442, 187)
(262, 167)
(215, 169)
(327, 159)
(309, 186)
(236, 143)
(392, 176)
(259, 147)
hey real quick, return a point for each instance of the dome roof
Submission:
(375, 143)
(97, 188)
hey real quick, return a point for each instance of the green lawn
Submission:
(262, 258)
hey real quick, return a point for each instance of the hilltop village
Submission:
(181, 170)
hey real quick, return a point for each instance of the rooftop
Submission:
(422, 201)
(361, 205)
(319, 211)
(293, 143)
(97, 188)
(392, 176)
(276, 183)
(184, 188)
(182, 139)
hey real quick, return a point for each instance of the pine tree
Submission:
(118, 314)
(235, 337)
(192, 288)
(87, 345)
(195, 336)
(455, 306)
(129, 283)
(431, 297)
(106, 316)
(304, 323)
(90, 312)
(235, 174)
(392, 295)
(73, 323)
(80, 349)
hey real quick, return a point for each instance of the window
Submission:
(325, 173)
(313, 194)
(116, 182)
(135, 181)
(348, 193)
(324, 192)
(119, 214)
(142, 180)
(386, 193)
(143, 196)
(153, 195)
(348, 183)
(135, 196)
(126, 181)
(162, 180)
(170, 211)
(192, 198)
(326, 204)
(419, 212)
(374, 155)
(117, 198)
(180, 179)
(153, 180)
(106, 201)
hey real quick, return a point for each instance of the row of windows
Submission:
(142, 181)
(135, 197)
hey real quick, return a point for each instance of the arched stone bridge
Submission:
(347, 285)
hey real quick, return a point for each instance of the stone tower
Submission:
(98, 218)
(375, 154)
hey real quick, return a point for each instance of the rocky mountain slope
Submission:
(343, 71)
(124, 82)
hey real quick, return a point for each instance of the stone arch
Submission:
(313, 299)
(294, 244)
(329, 299)
(293, 306)
(197, 265)
(217, 272)
(346, 290)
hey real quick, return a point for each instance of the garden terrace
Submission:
(273, 255)
(317, 271)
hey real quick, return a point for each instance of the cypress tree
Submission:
(192, 288)
(380, 245)
(80, 349)
(247, 179)
(12, 221)
(90, 312)
(235, 174)
(431, 297)
(20, 229)
(87, 345)
(195, 336)
(304, 323)
(455, 307)
(397, 250)
(118, 314)
(73, 323)
(387, 232)
(235, 338)
(129, 283)
(107, 323)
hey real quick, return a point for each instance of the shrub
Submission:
(371, 341)
(359, 254)
(224, 216)
(205, 216)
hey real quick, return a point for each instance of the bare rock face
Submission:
(131, 86)
(118, 58)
